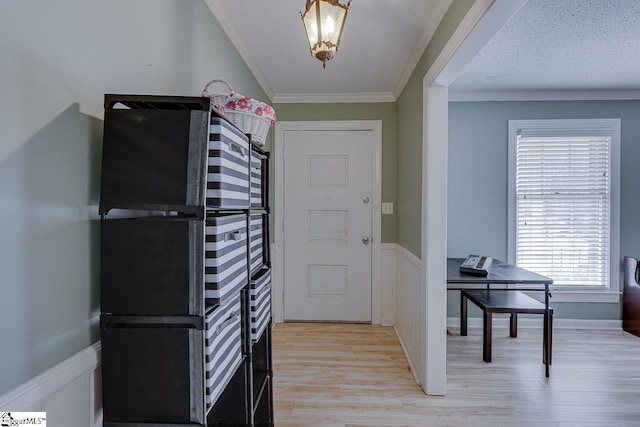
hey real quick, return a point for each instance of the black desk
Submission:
(502, 273)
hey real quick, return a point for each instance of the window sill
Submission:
(609, 297)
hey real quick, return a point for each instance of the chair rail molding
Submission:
(70, 392)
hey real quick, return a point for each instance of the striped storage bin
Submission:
(260, 302)
(223, 347)
(255, 234)
(225, 256)
(228, 166)
(256, 179)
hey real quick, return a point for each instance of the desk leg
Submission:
(547, 343)
(550, 337)
(546, 333)
(486, 336)
(513, 325)
(463, 314)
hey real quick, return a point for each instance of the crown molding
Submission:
(337, 98)
(431, 25)
(220, 13)
(544, 95)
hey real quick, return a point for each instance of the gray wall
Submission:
(57, 61)
(478, 159)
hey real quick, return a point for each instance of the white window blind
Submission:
(563, 206)
(564, 202)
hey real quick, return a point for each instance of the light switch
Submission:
(387, 209)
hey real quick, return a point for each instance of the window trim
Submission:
(581, 127)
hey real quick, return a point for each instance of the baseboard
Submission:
(412, 368)
(524, 322)
(387, 321)
(68, 391)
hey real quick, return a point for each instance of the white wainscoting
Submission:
(409, 294)
(388, 274)
(70, 392)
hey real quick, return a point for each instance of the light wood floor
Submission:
(357, 375)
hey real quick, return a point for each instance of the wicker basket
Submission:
(249, 115)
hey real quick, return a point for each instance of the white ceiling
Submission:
(553, 48)
(380, 46)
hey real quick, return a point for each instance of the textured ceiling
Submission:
(568, 45)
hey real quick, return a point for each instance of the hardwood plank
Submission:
(357, 375)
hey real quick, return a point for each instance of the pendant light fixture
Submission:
(323, 21)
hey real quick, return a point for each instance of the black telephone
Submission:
(476, 265)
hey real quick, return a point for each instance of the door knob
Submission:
(365, 200)
(365, 240)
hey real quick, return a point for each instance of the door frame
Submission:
(277, 265)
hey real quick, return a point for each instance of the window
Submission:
(564, 200)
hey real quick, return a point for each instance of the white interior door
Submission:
(328, 178)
